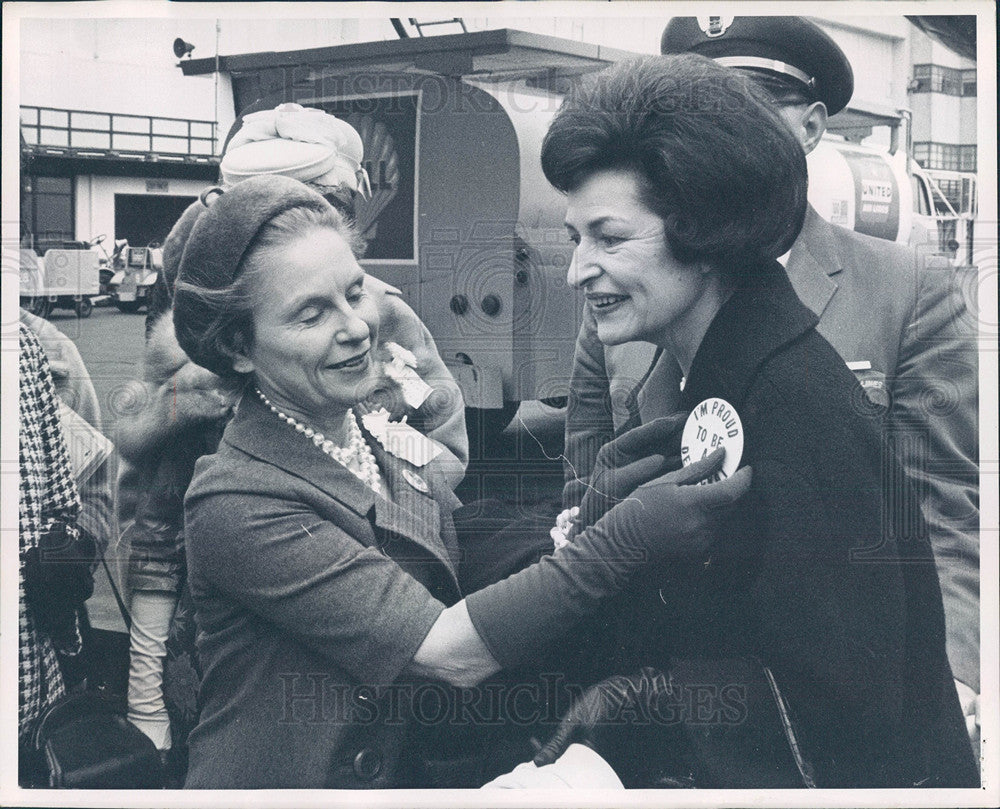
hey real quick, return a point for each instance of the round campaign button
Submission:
(712, 424)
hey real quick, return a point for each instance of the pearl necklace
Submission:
(357, 456)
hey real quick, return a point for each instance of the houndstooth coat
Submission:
(47, 492)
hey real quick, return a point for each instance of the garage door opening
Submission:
(146, 219)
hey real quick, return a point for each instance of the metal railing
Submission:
(954, 192)
(83, 133)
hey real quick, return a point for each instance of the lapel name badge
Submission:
(416, 481)
(873, 384)
(712, 424)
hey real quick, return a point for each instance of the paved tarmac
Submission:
(111, 344)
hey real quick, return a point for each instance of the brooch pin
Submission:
(416, 481)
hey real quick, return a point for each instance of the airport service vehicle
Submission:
(135, 272)
(889, 196)
(67, 277)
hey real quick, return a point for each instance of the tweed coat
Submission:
(312, 593)
(879, 304)
(816, 574)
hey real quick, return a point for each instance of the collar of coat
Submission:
(758, 319)
(404, 510)
(814, 261)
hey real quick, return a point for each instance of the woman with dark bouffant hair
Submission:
(812, 605)
(716, 166)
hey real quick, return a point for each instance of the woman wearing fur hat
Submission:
(322, 560)
(181, 410)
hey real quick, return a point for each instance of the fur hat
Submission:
(219, 235)
(173, 247)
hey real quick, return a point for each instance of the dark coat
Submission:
(815, 574)
(312, 594)
(878, 303)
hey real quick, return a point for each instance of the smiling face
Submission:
(632, 283)
(314, 327)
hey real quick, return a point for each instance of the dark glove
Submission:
(58, 575)
(668, 519)
(632, 722)
(630, 460)
(664, 520)
(713, 723)
(604, 712)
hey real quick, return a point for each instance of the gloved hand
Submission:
(622, 465)
(632, 723)
(664, 520)
(58, 576)
(668, 519)
(600, 715)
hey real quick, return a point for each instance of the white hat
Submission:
(303, 143)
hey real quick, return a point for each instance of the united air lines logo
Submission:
(876, 196)
(714, 26)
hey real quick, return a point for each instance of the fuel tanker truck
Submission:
(887, 195)
(461, 218)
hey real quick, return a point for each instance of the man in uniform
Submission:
(897, 319)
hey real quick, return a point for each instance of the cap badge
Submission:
(712, 424)
(714, 26)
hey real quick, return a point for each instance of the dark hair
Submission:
(219, 321)
(716, 163)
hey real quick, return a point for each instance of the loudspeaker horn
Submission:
(182, 48)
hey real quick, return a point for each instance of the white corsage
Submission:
(564, 522)
(400, 439)
(401, 369)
